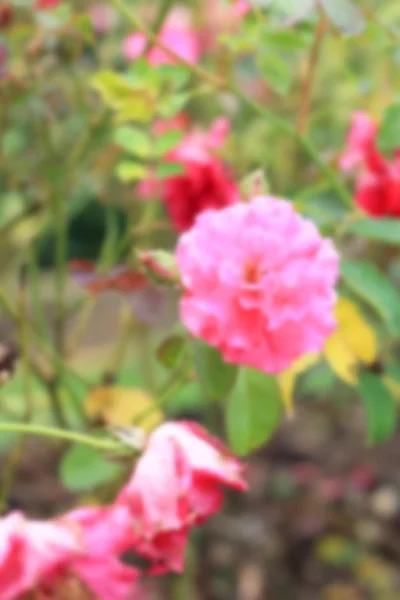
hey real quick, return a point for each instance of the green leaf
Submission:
(83, 468)
(130, 100)
(170, 352)
(289, 10)
(131, 171)
(167, 141)
(276, 71)
(382, 230)
(380, 408)
(133, 140)
(344, 15)
(169, 169)
(170, 105)
(216, 377)
(253, 411)
(389, 131)
(364, 279)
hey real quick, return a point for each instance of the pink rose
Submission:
(258, 283)
(176, 484)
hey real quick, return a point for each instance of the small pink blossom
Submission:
(103, 17)
(360, 140)
(176, 485)
(221, 16)
(258, 283)
(46, 4)
(177, 34)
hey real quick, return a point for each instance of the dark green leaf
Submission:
(83, 468)
(216, 377)
(382, 230)
(364, 279)
(171, 351)
(253, 411)
(344, 15)
(380, 408)
(389, 132)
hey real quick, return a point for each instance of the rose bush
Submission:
(190, 166)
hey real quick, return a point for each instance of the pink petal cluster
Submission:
(258, 283)
(177, 34)
(31, 551)
(206, 181)
(176, 485)
(78, 550)
(378, 183)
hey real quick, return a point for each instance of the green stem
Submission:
(60, 434)
(60, 222)
(304, 142)
(214, 80)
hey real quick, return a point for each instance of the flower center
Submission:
(251, 272)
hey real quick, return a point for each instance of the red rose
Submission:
(378, 185)
(205, 184)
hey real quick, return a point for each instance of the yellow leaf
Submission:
(341, 359)
(354, 342)
(123, 406)
(287, 379)
(393, 385)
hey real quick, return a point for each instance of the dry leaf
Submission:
(121, 406)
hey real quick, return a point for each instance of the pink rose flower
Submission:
(177, 484)
(177, 34)
(258, 283)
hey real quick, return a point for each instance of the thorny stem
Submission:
(223, 84)
(162, 14)
(308, 82)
